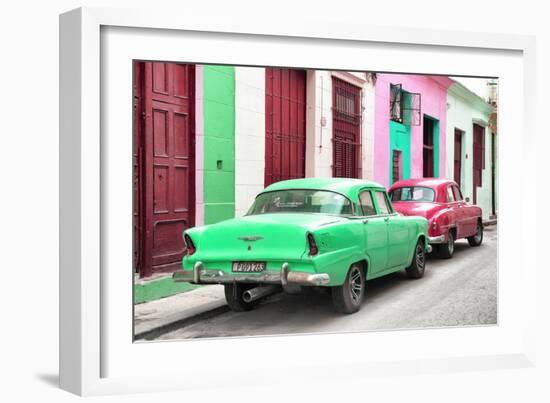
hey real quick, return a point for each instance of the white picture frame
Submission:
(97, 355)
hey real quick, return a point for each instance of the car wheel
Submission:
(234, 297)
(418, 265)
(446, 250)
(476, 239)
(347, 297)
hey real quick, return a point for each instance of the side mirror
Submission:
(467, 200)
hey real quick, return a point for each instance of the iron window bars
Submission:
(405, 107)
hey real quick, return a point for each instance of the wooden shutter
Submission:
(458, 156)
(479, 158)
(285, 124)
(396, 166)
(346, 129)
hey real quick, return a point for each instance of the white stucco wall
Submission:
(250, 129)
(368, 129)
(463, 111)
(319, 137)
(249, 136)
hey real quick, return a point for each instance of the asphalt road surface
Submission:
(461, 291)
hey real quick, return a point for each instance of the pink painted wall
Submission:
(434, 104)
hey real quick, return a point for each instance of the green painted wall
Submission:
(219, 143)
(400, 139)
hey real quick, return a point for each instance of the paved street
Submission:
(456, 292)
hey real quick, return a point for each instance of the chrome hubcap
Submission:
(355, 285)
(420, 257)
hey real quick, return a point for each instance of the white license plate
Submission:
(248, 267)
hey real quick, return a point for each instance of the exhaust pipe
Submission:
(258, 292)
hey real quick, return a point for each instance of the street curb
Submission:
(160, 287)
(197, 314)
(161, 315)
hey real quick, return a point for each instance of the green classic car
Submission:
(316, 232)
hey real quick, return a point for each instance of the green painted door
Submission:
(376, 238)
(398, 241)
(376, 234)
(397, 231)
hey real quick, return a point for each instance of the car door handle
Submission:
(365, 221)
(386, 218)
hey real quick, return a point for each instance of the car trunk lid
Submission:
(262, 237)
(422, 209)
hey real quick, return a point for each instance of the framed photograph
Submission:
(291, 201)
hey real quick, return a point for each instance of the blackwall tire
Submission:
(418, 264)
(476, 239)
(347, 298)
(447, 250)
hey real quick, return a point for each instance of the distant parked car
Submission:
(440, 201)
(313, 232)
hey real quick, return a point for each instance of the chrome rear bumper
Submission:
(437, 239)
(200, 275)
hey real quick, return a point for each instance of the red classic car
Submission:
(440, 201)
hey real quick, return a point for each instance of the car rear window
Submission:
(412, 193)
(301, 201)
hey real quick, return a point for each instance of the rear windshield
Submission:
(412, 193)
(301, 201)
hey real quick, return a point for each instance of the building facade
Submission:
(300, 123)
(472, 147)
(410, 127)
(208, 139)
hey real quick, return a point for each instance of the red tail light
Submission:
(189, 245)
(313, 249)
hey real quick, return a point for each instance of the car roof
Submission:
(344, 186)
(428, 182)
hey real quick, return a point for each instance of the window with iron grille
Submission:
(346, 129)
(405, 107)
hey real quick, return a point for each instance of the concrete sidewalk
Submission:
(157, 315)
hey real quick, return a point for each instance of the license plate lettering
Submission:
(248, 267)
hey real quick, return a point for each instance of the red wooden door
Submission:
(168, 166)
(137, 165)
(458, 156)
(346, 129)
(285, 124)
(479, 158)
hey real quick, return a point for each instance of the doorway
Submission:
(430, 147)
(457, 169)
(285, 124)
(479, 158)
(164, 164)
